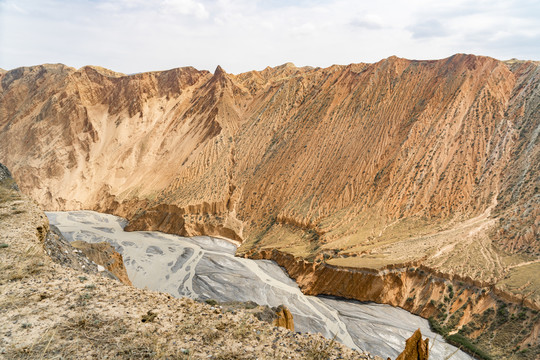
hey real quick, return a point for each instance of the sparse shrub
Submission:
(250, 305)
(211, 302)
(465, 344)
(502, 314)
(321, 350)
(436, 327)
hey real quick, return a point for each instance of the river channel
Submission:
(205, 268)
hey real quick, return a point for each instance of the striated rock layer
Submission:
(365, 166)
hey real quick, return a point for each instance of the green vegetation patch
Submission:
(466, 345)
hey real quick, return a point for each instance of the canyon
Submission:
(410, 183)
(56, 303)
(205, 268)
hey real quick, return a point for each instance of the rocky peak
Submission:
(219, 71)
(219, 80)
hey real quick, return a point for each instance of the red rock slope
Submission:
(432, 164)
(342, 155)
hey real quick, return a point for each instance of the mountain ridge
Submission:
(217, 102)
(362, 165)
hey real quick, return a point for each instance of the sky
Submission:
(132, 36)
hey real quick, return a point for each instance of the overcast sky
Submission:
(240, 35)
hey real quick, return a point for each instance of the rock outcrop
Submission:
(415, 348)
(62, 252)
(6, 179)
(104, 254)
(284, 318)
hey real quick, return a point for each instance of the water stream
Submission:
(206, 268)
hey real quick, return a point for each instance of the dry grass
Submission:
(321, 349)
(31, 263)
(242, 330)
(229, 355)
(7, 194)
(104, 337)
(210, 336)
(524, 280)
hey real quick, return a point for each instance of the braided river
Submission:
(204, 267)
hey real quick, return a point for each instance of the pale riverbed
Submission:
(204, 267)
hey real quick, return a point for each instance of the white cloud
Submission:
(428, 29)
(368, 21)
(185, 7)
(12, 6)
(138, 35)
(306, 29)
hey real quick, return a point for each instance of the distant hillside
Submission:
(340, 159)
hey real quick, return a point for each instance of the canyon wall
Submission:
(500, 324)
(361, 166)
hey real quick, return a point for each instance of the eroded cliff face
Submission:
(479, 317)
(104, 254)
(360, 166)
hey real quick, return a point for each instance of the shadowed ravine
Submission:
(205, 267)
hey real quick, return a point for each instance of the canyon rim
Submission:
(411, 183)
